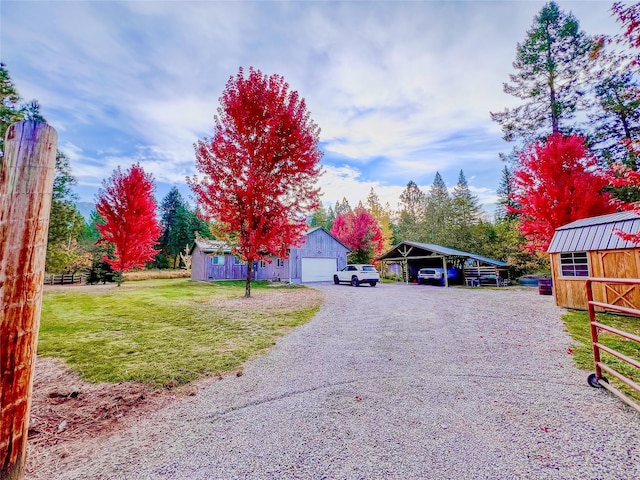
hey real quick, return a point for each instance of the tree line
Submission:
(575, 154)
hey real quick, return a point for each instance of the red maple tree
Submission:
(126, 203)
(555, 184)
(259, 168)
(360, 231)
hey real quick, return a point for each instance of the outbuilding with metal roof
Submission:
(412, 256)
(591, 247)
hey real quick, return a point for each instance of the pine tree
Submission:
(549, 66)
(342, 207)
(505, 211)
(169, 207)
(466, 214)
(413, 202)
(9, 100)
(616, 122)
(439, 213)
(319, 218)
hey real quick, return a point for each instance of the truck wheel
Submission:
(373, 284)
(355, 282)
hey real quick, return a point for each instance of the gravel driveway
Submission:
(394, 382)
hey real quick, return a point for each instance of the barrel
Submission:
(545, 286)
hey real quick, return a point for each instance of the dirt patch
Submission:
(70, 417)
(68, 411)
(275, 298)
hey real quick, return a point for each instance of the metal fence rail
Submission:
(597, 379)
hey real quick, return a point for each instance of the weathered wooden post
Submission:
(26, 185)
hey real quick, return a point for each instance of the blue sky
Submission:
(400, 89)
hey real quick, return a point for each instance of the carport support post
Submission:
(444, 269)
(26, 186)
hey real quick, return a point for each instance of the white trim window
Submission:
(238, 261)
(574, 264)
(217, 260)
(262, 264)
(279, 262)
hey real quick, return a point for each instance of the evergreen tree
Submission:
(342, 207)
(169, 207)
(616, 122)
(413, 202)
(320, 218)
(31, 111)
(506, 204)
(439, 213)
(331, 217)
(9, 100)
(466, 214)
(549, 67)
(66, 224)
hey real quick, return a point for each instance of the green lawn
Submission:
(577, 324)
(167, 332)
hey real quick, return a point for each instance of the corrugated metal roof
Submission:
(595, 233)
(446, 252)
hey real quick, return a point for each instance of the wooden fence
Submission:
(55, 279)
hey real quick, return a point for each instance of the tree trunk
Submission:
(247, 288)
(26, 187)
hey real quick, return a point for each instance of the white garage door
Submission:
(318, 269)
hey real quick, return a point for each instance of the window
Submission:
(574, 264)
(263, 264)
(279, 263)
(237, 261)
(217, 260)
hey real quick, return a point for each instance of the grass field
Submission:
(577, 323)
(167, 332)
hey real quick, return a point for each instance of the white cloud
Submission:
(399, 89)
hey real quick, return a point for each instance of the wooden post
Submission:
(26, 186)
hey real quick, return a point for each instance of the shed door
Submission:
(318, 269)
(620, 264)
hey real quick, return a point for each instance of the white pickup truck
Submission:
(355, 274)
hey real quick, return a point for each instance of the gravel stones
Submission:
(394, 382)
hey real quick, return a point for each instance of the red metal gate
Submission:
(597, 379)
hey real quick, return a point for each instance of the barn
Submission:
(316, 260)
(591, 248)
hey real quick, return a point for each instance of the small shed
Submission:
(412, 256)
(316, 260)
(590, 247)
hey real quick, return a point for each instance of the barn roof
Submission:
(428, 249)
(595, 233)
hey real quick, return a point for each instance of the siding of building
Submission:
(318, 243)
(608, 256)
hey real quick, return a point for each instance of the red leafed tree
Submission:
(360, 231)
(126, 203)
(260, 167)
(555, 184)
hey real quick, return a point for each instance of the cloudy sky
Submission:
(400, 89)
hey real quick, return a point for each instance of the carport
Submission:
(412, 256)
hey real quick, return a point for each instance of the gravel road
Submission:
(393, 382)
